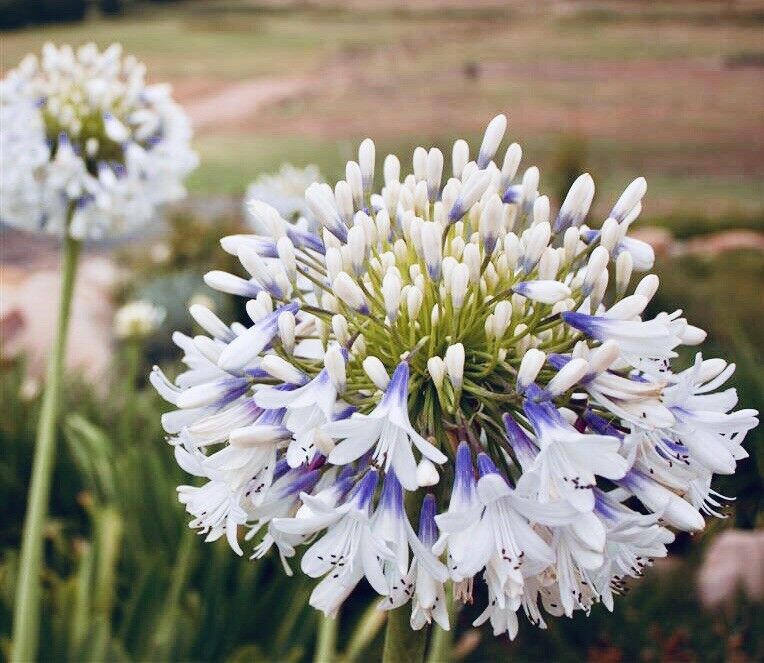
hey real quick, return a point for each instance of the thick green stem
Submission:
(402, 644)
(26, 615)
(326, 646)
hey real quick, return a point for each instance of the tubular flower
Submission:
(86, 145)
(438, 340)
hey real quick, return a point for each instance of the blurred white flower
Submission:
(86, 143)
(284, 191)
(137, 319)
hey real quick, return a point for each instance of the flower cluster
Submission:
(442, 382)
(86, 144)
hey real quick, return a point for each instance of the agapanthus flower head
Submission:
(444, 384)
(86, 144)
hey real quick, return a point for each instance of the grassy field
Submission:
(671, 89)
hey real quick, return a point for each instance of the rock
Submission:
(29, 308)
(734, 561)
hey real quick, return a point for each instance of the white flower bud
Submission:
(576, 204)
(541, 210)
(285, 250)
(434, 173)
(545, 292)
(471, 192)
(523, 340)
(340, 329)
(391, 196)
(460, 155)
(491, 220)
(601, 358)
(436, 367)
(355, 180)
(349, 292)
(471, 258)
(648, 286)
(512, 250)
(357, 245)
(321, 201)
(208, 321)
(334, 263)
(359, 346)
(610, 234)
(392, 169)
(382, 222)
(530, 366)
(598, 291)
(113, 128)
(597, 264)
(414, 299)
(282, 370)
(391, 293)
(511, 163)
(502, 316)
(630, 198)
(419, 163)
(536, 240)
(454, 361)
(642, 253)
(426, 473)
(366, 158)
(230, 284)
(491, 139)
(343, 196)
(549, 263)
(286, 325)
(623, 268)
(431, 234)
(530, 185)
(334, 363)
(567, 376)
(375, 369)
(459, 280)
(570, 242)
(435, 315)
(267, 275)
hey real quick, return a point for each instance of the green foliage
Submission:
(126, 579)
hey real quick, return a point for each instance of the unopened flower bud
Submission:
(530, 366)
(350, 293)
(286, 326)
(375, 369)
(454, 361)
(491, 140)
(334, 362)
(426, 473)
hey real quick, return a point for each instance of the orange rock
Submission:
(734, 561)
(28, 310)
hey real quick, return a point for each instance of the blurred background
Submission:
(673, 90)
